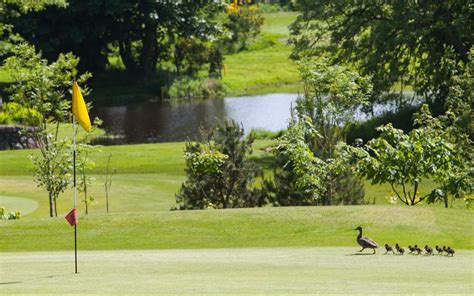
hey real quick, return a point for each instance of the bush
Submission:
(366, 130)
(219, 172)
(14, 113)
(244, 24)
(9, 216)
(195, 88)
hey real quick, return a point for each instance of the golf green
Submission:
(236, 271)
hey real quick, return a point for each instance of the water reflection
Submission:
(163, 122)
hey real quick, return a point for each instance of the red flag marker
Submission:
(71, 217)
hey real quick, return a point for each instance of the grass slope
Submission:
(266, 67)
(236, 271)
(237, 228)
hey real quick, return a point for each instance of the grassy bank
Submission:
(266, 67)
(237, 228)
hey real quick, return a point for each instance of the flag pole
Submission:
(75, 192)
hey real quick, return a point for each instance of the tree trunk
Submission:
(125, 49)
(148, 55)
(55, 208)
(107, 200)
(51, 204)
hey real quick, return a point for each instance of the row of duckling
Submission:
(418, 251)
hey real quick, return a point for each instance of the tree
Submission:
(299, 175)
(219, 172)
(417, 43)
(108, 182)
(53, 170)
(331, 96)
(144, 32)
(44, 87)
(434, 150)
(8, 37)
(84, 164)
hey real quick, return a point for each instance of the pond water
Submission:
(164, 121)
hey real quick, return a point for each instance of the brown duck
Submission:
(365, 242)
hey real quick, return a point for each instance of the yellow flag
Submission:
(79, 109)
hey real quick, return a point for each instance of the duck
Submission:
(365, 242)
(439, 249)
(450, 251)
(412, 249)
(399, 249)
(388, 249)
(428, 250)
(417, 249)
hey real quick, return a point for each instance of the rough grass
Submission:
(236, 271)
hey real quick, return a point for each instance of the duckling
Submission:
(365, 242)
(428, 250)
(450, 251)
(439, 249)
(411, 249)
(445, 250)
(399, 249)
(388, 249)
(417, 249)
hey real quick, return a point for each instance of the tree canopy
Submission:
(401, 42)
(142, 31)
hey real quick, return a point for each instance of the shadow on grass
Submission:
(361, 254)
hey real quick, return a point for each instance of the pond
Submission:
(164, 122)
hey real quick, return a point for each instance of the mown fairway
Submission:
(236, 271)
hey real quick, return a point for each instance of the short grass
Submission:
(235, 271)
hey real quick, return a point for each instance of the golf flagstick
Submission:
(75, 190)
(79, 113)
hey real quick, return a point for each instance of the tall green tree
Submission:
(331, 96)
(404, 42)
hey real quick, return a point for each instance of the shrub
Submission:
(195, 88)
(367, 130)
(219, 172)
(244, 24)
(14, 113)
(9, 216)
